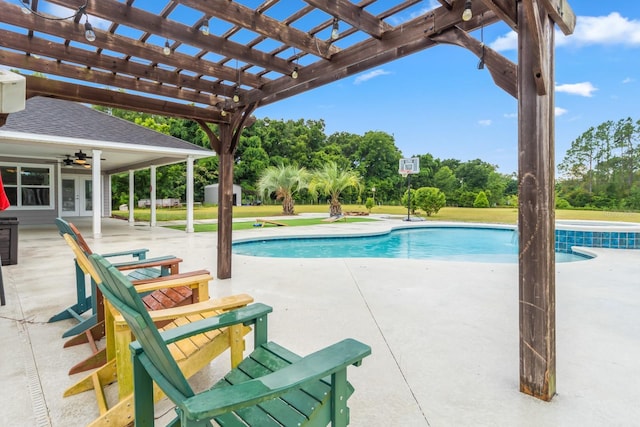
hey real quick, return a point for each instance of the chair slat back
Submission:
(72, 230)
(123, 296)
(81, 258)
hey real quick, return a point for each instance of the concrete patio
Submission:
(444, 335)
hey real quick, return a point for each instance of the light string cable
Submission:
(481, 63)
(26, 4)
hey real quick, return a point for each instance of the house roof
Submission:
(51, 129)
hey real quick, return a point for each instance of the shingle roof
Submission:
(49, 116)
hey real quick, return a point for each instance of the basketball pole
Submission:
(408, 196)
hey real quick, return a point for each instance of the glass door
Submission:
(70, 198)
(77, 196)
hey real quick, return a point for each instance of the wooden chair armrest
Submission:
(184, 275)
(166, 261)
(173, 282)
(245, 315)
(220, 304)
(136, 253)
(315, 366)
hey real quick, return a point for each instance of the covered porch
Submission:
(444, 338)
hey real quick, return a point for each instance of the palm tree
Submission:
(330, 181)
(285, 181)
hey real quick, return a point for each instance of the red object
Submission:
(4, 202)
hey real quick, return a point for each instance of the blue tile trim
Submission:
(565, 239)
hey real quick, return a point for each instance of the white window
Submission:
(28, 186)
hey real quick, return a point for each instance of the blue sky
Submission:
(438, 102)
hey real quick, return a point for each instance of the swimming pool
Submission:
(475, 244)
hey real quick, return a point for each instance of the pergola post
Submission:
(536, 215)
(225, 201)
(152, 196)
(225, 145)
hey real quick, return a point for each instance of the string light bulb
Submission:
(223, 113)
(204, 28)
(335, 30)
(166, 49)
(89, 34)
(294, 74)
(467, 14)
(236, 95)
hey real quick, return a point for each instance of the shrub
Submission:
(369, 204)
(481, 200)
(562, 203)
(430, 199)
(467, 198)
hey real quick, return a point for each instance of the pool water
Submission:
(440, 243)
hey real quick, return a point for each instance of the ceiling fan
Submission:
(80, 159)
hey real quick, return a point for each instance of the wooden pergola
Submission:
(216, 61)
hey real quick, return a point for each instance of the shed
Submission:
(211, 194)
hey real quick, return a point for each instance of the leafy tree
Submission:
(496, 186)
(481, 200)
(284, 181)
(250, 162)
(332, 181)
(430, 200)
(474, 174)
(446, 181)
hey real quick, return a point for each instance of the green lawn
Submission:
(489, 215)
(247, 225)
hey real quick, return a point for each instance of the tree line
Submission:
(600, 169)
(304, 143)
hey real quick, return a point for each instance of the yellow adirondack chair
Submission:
(191, 355)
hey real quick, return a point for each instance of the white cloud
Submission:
(612, 29)
(628, 80)
(606, 30)
(370, 75)
(511, 115)
(507, 42)
(560, 111)
(582, 89)
(486, 122)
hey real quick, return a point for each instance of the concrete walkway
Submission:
(444, 334)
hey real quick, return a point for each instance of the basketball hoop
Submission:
(404, 172)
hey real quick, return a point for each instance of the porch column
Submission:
(152, 190)
(131, 197)
(96, 190)
(189, 194)
(536, 216)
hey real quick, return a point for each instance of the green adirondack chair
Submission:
(270, 387)
(140, 268)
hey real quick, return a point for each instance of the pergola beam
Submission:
(503, 71)
(244, 17)
(561, 13)
(148, 22)
(109, 98)
(506, 10)
(110, 64)
(353, 15)
(116, 43)
(413, 36)
(104, 78)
